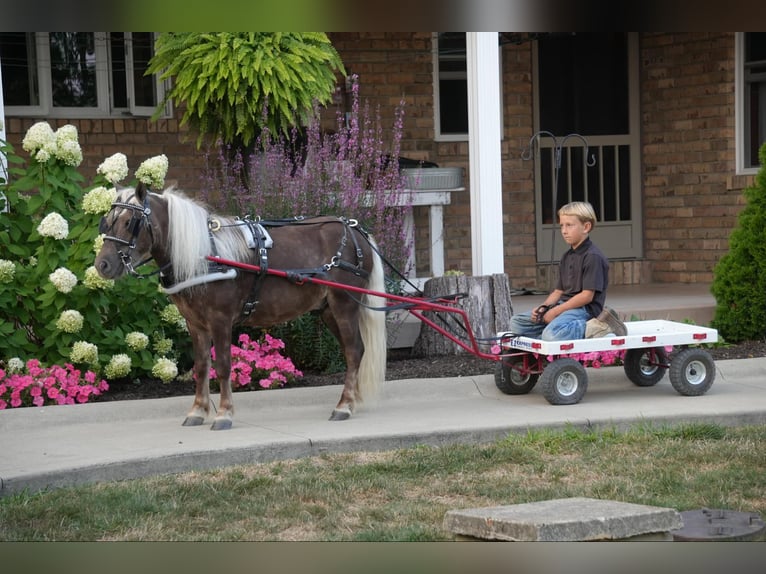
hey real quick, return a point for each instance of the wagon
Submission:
(560, 366)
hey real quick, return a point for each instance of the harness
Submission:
(260, 240)
(139, 218)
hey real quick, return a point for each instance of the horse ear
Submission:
(141, 191)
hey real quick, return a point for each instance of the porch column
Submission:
(485, 168)
(3, 159)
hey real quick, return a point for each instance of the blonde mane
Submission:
(188, 235)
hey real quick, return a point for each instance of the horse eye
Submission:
(103, 226)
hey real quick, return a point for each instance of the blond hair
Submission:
(582, 210)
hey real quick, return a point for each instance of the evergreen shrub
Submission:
(739, 283)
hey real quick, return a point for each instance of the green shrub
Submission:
(739, 281)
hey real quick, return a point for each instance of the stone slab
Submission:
(565, 520)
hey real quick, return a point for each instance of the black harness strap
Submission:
(263, 263)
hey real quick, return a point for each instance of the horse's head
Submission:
(128, 234)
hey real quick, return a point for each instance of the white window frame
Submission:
(438, 135)
(740, 107)
(103, 109)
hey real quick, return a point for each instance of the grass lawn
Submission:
(403, 495)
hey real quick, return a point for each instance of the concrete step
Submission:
(565, 520)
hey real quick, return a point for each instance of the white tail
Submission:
(372, 324)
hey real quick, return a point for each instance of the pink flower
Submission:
(262, 361)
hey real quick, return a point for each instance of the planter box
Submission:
(434, 178)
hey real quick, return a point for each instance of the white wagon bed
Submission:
(641, 334)
(560, 365)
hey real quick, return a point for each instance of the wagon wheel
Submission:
(564, 382)
(692, 372)
(645, 367)
(512, 376)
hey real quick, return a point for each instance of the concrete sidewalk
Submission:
(56, 446)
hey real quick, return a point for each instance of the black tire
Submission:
(510, 380)
(692, 372)
(564, 382)
(642, 370)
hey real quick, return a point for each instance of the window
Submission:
(78, 74)
(451, 86)
(751, 98)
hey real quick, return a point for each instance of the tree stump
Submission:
(487, 305)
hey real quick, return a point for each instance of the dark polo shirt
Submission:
(584, 269)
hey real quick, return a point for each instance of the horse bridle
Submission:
(138, 220)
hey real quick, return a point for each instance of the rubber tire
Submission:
(692, 372)
(564, 382)
(510, 381)
(638, 369)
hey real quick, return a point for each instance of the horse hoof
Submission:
(193, 421)
(221, 424)
(340, 415)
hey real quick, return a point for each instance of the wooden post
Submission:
(487, 304)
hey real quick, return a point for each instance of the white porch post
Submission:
(3, 160)
(483, 67)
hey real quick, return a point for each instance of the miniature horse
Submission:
(179, 234)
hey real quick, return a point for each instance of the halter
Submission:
(139, 217)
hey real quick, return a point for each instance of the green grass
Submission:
(403, 495)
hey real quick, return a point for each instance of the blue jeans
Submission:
(569, 325)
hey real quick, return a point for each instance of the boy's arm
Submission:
(581, 299)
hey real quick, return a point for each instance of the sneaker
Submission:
(595, 328)
(610, 317)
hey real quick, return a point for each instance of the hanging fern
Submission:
(226, 79)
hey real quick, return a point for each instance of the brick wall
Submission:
(137, 138)
(691, 200)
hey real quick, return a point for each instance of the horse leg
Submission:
(201, 406)
(222, 342)
(347, 333)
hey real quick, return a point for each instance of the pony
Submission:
(182, 236)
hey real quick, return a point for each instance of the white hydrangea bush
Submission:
(54, 306)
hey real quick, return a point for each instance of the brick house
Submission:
(670, 120)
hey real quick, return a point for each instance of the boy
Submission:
(575, 308)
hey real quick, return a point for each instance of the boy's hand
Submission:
(538, 315)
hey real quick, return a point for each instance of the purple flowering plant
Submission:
(350, 170)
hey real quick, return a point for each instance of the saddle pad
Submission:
(252, 227)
